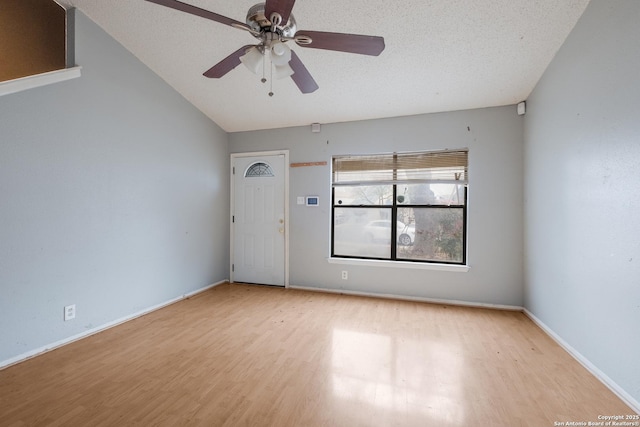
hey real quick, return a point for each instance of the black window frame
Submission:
(393, 215)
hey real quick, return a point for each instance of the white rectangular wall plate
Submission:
(69, 312)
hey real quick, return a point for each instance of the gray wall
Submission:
(494, 139)
(582, 138)
(113, 197)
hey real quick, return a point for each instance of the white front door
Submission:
(259, 217)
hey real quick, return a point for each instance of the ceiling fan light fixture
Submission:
(280, 54)
(282, 71)
(252, 60)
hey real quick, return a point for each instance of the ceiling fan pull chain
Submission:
(263, 80)
(270, 76)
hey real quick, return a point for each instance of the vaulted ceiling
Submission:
(441, 55)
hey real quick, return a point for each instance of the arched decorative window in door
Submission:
(258, 170)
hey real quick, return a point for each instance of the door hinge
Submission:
(234, 170)
(233, 219)
(233, 267)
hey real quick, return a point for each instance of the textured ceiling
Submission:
(441, 55)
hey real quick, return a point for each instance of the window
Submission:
(259, 169)
(400, 207)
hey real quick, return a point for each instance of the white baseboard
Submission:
(44, 349)
(410, 298)
(604, 379)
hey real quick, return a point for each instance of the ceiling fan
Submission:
(273, 24)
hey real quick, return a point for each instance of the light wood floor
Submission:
(258, 356)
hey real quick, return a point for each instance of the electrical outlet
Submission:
(345, 275)
(69, 312)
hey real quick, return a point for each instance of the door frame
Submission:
(286, 208)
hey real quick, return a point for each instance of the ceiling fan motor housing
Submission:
(258, 21)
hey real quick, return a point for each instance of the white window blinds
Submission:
(429, 167)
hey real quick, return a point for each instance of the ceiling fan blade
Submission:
(227, 64)
(282, 7)
(178, 5)
(301, 76)
(352, 43)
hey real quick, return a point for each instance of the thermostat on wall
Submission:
(312, 200)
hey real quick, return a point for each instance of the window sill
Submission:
(30, 82)
(400, 264)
